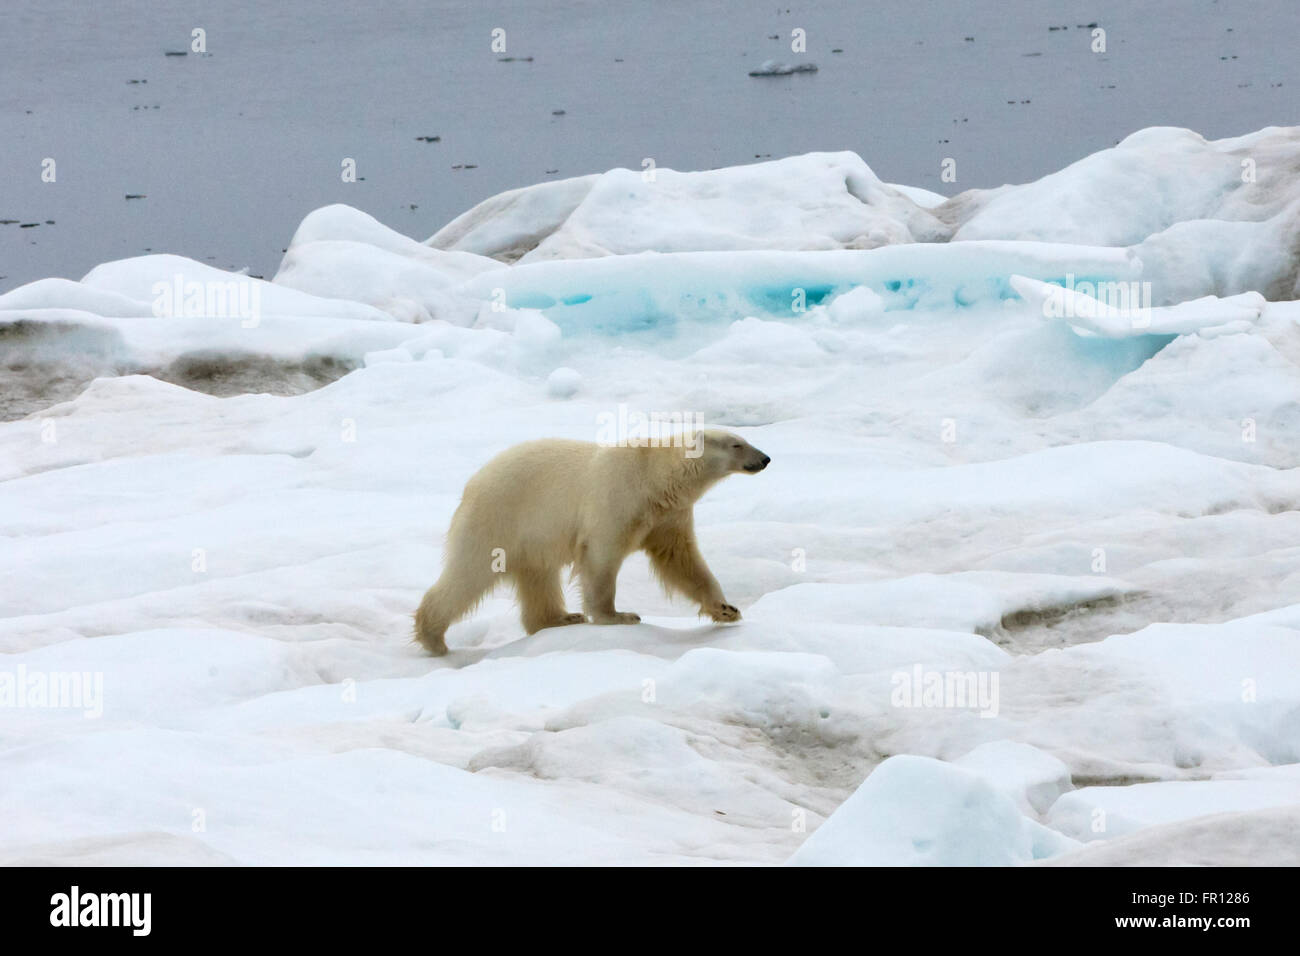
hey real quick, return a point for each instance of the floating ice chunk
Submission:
(778, 68)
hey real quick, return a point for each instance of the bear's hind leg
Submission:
(541, 599)
(456, 593)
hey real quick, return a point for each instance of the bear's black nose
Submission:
(766, 459)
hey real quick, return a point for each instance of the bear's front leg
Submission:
(721, 611)
(598, 573)
(676, 559)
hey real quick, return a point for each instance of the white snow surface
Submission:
(1204, 217)
(815, 201)
(1017, 587)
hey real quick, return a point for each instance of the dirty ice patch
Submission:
(979, 602)
(1098, 813)
(655, 761)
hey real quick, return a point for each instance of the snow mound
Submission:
(1204, 217)
(513, 223)
(181, 321)
(170, 286)
(1030, 777)
(814, 201)
(563, 383)
(915, 811)
(1248, 838)
(859, 304)
(1150, 181)
(1231, 681)
(1095, 813)
(1242, 382)
(1207, 217)
(340, 252)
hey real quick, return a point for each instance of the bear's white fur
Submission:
(543, 505)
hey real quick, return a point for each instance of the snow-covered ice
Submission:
(1019, 586)
(916, 811)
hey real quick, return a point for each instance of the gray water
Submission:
(231, 149)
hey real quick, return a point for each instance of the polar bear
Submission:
(543, 505)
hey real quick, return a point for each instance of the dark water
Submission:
(231, 149)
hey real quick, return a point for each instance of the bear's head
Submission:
(725, 453)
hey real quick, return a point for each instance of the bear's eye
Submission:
(735, 446)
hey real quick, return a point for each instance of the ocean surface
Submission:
(230, 148)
